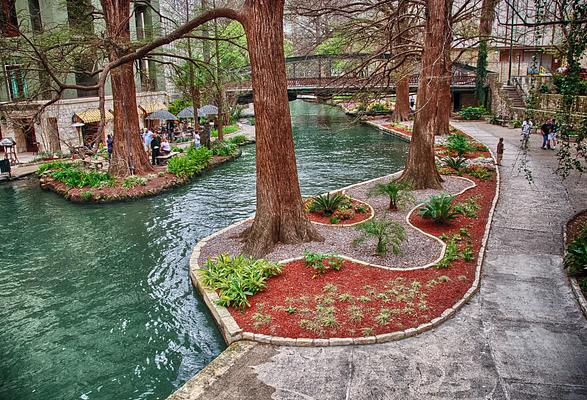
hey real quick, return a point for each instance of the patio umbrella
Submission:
(188, 112)
(162, 115)
(208, 109)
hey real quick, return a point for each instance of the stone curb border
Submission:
(392, 132)
(232, 332)
(577, 292)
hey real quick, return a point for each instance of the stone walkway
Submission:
(522, 337)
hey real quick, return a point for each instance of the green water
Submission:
(96, 302)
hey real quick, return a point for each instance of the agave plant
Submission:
(456, 163)
(439, 208)
(399, 193)
(385, 232)
(329, 203)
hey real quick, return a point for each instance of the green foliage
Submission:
(576, 258)
(86, 196)
(237, 278)
(191, 163)
(74, 176)
(472, 113)
(238, 139)
(468, 208)
(516, 123)
(322, 262)
(134, 180)
(226, 130)
(53, 166)
(468, 253)
(387, 233)
(480, 173)
(223, 148)
(329, 203)
(439, 208)
(179, 104)
(176, 149)
(399, 193)
(344, 214)
(459, 143)
(450, 254)
(456, 163)
(252, 121)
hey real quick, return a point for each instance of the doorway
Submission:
(53, 135)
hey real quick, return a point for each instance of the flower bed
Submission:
(358, 212)
(395, 128)
(362, 300)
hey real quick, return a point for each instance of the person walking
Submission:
(197, 139)
(526, 129)
(552, 135)
(545, 128)
(147, 138)
(110, 145)
(499, 151)
(155, 145)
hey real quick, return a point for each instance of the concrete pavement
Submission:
(522, 337)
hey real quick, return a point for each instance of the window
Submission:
(8, 20)
(16, 82)
(143, 23)
(35, 13)
(79, 14)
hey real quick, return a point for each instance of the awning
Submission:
(148, 108)
(92, 115)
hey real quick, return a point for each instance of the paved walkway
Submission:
(522, 337)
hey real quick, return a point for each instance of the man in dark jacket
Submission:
(155, 146)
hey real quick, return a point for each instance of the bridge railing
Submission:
(349, 82)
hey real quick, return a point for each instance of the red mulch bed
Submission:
(318, 217)
(469, 154)
(400, 130)
(382, 297)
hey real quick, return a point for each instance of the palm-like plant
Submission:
(328, 203)
(439, 208)
(456, 163)
(399, 193)
(387, 233)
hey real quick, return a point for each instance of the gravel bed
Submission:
(418, 249)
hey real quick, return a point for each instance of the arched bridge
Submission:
(323, 77)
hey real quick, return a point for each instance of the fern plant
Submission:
(459, 143)
(439, 208)
(387, 233)
(456, 163)
(399, 193)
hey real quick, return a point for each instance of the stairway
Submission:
(514, 97)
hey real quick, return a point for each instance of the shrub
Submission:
(470, 113)
(575, 260)
(459, 143)
(385, 232)
(191, 163)
(223, 148)
(480, 173)
(439, 208)
(73, 176)
(361, 208)
(399, 193)
(133, 180)
(54, 165)
(236, 278)
(516, 123)
(238, 139)
(86, 196)
(251, 120)
(450, 254)
(344, 214)
(329, 203)
(322, 262)
(456, 163)
(468, 208)
(176, 149)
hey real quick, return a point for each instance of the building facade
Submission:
(73, 120)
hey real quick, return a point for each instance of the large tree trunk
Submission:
(128, 156)
(445, 98)
(431, 108)
(485, 27)
(280, 215)
(401, 112)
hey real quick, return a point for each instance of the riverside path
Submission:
(522, 336)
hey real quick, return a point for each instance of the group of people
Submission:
(155, 144)
(549, 132)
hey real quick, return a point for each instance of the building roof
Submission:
(92, 115)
